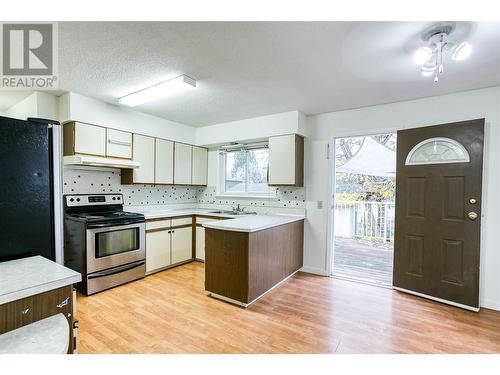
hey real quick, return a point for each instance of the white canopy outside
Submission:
(373, 159)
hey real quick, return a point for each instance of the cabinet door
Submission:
(182, 164)
(182, 244)
(200, 243)
(144, 153)
(157, 250)
(199, 170)
(164, 162)
(286, 159)
(118, 144)
(89, 139)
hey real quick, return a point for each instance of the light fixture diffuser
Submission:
(461, 52)
(172, 86)
(422, 55)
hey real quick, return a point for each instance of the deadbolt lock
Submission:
(472, 215)
(472, 201)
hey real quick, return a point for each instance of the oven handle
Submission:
(107, 224)
(116, 270)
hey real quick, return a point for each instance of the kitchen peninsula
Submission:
(248, 256)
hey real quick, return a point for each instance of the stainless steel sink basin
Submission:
(232, 212)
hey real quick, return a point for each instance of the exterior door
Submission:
(438, 212)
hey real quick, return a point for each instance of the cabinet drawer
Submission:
(16, 314)
(182, 221)
(202, 220)
(53, 302)
(158, 224)
(118, 144)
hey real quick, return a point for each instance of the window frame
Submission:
(414, 149)
(221, 180)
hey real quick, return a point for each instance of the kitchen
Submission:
(202, 221)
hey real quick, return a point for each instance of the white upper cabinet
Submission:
(286, 160)
(80, 138)
(118, 144)
(144, 153)
(199, 168)
(164, 162)
(182, 163)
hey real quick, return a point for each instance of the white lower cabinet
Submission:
(158, 250)
(182, 244)
(200, 243)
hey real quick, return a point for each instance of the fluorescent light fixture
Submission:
(461, 52)
(422, 55)
(173, 86)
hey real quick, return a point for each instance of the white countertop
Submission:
(158, 214)
(253, 223)
(46, 336)
(29, 276)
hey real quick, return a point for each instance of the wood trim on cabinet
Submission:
(69, 139)
(40, 306)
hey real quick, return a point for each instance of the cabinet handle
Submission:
(25, 311)
(121, 143)
(63, 303)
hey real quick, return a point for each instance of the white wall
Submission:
(484, 103)
(81, 108)
(23, 109)
(251, 129)
(38, 104)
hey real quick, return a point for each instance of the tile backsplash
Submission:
(95, 181)
(108, 180)
(286, 197)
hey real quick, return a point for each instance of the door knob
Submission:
(472, 215)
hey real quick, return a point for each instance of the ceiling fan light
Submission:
(461, 51)
(422, 55)
(428, 70)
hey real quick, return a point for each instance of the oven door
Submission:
(114, 246)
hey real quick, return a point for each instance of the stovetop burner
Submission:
(99, 208)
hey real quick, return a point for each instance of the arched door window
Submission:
(437, 151)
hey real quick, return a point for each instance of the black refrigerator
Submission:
(29, 189)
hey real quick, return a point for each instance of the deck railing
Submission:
(368, 220)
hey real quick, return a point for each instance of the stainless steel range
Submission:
(102, 242)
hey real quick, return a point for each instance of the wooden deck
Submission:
(363, 260)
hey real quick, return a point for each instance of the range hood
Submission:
(96, 161)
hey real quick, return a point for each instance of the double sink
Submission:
(233, 212)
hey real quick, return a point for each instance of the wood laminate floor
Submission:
(169, 312)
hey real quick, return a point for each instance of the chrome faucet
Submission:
(238, 209)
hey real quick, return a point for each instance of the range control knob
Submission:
(71, 199)
(114, 198)
(78, 199)
(118, 198)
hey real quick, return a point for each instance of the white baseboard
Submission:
(489, 304)
(314, 271)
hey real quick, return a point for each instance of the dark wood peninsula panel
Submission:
(242, 266)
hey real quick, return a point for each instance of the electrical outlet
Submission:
(320, 204)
